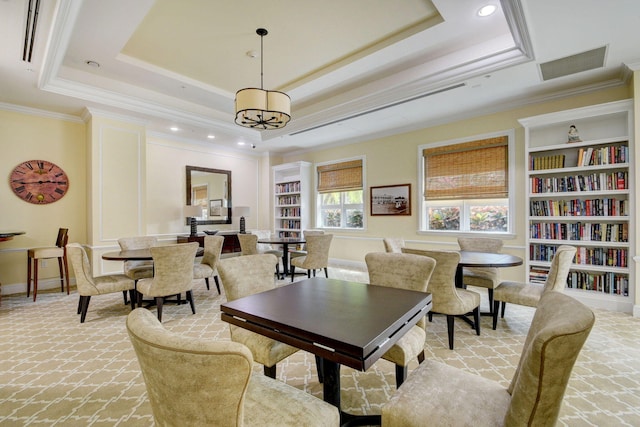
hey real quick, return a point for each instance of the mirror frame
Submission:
(189, 169)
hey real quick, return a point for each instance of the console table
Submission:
(231, 243)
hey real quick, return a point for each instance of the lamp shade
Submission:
(262, 109)
(190, 211)
(242, 211)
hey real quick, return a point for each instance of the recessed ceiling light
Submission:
(241, 143)
(487, 10)
(211, 136)
(174, 128)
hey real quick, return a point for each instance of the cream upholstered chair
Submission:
(207, 267)
(317, 255)
(247, 275)
(173, 265)
(196, 382)
(483, 277)
(303, 250)
(89, 286)
(441, 395)
(249, 246)
(403, 271)
(528, 294)
(393, 244)
(446, 298)
(58, 251)
(137, 270)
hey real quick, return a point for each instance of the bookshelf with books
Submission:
(579, 194)
(292, 189)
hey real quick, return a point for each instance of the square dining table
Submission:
(341, 322)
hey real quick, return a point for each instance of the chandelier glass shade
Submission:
(259, 108)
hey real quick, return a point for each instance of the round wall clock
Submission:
(39, 182)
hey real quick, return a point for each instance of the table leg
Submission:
(285, 259)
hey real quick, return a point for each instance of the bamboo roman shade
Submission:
(343, 176)
(471, 170)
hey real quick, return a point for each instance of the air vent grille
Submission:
(573, 64)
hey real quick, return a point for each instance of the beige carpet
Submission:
(56, 371)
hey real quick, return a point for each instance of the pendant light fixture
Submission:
(262, 109)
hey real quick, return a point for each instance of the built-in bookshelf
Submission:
(292, 189)
(579, 194)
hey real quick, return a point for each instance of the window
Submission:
(466, 185)
(340, 195)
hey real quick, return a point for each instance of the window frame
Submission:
(343, 205)
(423, 205)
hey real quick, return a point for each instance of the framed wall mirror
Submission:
(211, 190)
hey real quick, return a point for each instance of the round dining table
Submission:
(136, 255)
(285, 242)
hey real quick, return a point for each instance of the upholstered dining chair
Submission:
(173, 265)
(393, 244)
(403, 271)
(446, 298)
(303, 250)
(196, 382)
(247, 275)
(317, 255)
(483, 277)
(137, 270)
(58, 251)
(207, 267)
(249, 246)
(89, 286)
(528, 294)
(448, 396)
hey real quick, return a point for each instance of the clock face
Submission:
(39, 182)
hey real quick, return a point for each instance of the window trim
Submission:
(422, 204)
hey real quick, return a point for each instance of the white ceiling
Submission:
(355, 69)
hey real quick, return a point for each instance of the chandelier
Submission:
(259, 108)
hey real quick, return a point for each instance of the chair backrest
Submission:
(262, 234)
(212, 250)
(318, 246)
(173, 268)
(393, 244)
(248, 244)
(247, 275)
(190, 381)
(402, 271)
(480, 244)
(442, 284)
(559, 329)
(63, 237)
(559, 271)
(137, 242)
(81, 269)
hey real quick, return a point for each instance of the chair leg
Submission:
(139, 294)
(85, 308)
(496, 307)
(206, 281)
(159, 301)
(29, 276)
(79, 303)
(320, 369)
(421, 357)
(430, 316)
(132, 297)
(308, 274)
(61, 274)
(476, 319)
(504, 305)
(215, 278)
(293, 272)
(401, 375)
(450, 320)
(191, 303)
(124, 296)
(490, 299)
(270, 371)
(326, 272)
(35, 280)
(66, 269)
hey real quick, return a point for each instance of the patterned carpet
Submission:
(56, 371)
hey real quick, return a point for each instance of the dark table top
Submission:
(135, 255)
(8, 235)
(485, 259)
(347, 322)
(282, 240)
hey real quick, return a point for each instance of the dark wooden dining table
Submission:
(285, 242)
(135, 255)
(341, 322)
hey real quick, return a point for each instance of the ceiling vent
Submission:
(573, 64)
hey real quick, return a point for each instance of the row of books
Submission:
(290, 223)
(282, 234)
(612, 154)
(288, 200)
(288, 187)
(607, 283)
(592, 182)
(593, 232)
(290, 212)
(612, 257)
(546, 162)
(605, 206)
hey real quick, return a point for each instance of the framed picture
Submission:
(215, 207)
(391, 200)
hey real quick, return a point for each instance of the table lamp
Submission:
(242, 211)
(192, 212)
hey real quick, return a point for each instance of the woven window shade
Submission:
(472, 170)
(343, 176)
